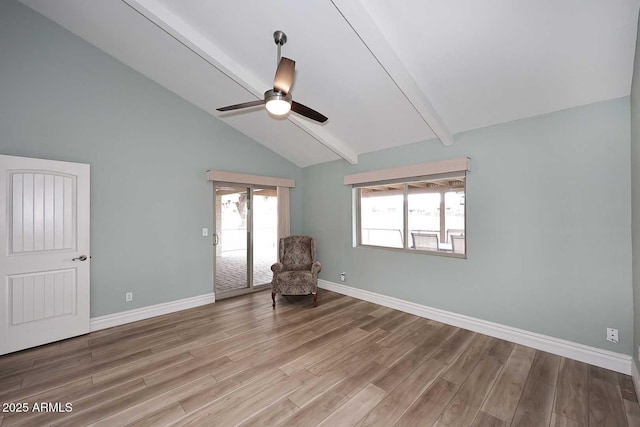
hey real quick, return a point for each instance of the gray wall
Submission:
(635, 194)
(63, 99)
(548, 220)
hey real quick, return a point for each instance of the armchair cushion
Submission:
(296, 267)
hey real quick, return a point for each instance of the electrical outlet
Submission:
(205, 232)
(343, 276)
(612, 335)
(128, 297)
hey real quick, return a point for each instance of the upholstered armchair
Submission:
(297, 271)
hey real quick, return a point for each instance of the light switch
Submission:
(205, 232)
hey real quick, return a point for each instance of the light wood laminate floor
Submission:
(346, 362)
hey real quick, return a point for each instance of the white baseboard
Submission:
(116, 319)
(603, 358)
(635, 375)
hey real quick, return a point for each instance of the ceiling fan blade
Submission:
(284, 75)
(243, 105)
(307, 112)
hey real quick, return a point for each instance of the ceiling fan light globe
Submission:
(278, 107)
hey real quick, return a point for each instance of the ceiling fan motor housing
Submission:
(274, 95)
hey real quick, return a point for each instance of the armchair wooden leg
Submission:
(273, 298)
(315, 299)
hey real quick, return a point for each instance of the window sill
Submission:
(415, 251)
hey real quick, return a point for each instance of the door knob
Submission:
(80, 258)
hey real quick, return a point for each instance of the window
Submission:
(426, 215)
(381, 216)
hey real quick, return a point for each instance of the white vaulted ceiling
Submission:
(385, 73)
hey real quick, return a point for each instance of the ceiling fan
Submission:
(279, 100)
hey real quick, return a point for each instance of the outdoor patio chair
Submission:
(297, 271)
(453, 232)
(425, 241)
(458, 244)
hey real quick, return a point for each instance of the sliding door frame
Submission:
(249, 235)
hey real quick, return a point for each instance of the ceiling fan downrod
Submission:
(281, 39)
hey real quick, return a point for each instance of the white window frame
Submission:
(404, 175)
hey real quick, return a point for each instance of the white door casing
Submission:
(44, 261)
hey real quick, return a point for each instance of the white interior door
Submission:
(44, 259)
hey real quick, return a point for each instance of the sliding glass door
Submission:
(245, 238)
(265, 234)
(231, 239)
